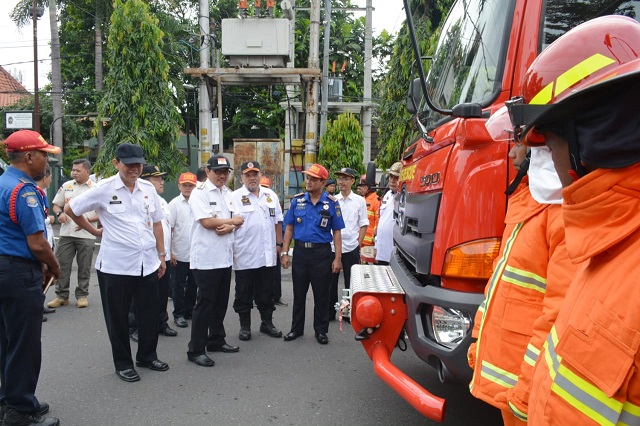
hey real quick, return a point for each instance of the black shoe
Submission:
(245, 334)
(48, 310)
(155, 365)
(322, 338)
(42, 409)
(292, 335)
(181, 322)
(269, 329)
(201, 360)
(20, 418)
(168, 331)
(225, 348)
(280, 302)
(134, 336)
(44, 319)
(128, 375)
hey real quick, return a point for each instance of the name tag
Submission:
(115, 202)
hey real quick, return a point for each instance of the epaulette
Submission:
(299, 195)
(332, 198)
(201, 185)
(25, 181)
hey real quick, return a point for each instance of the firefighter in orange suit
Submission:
(580, 98)
(373, 209)
(523, 295)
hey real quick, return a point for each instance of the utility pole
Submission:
(36, 95)
(325, 68)
(205, 105)
(366, 110)
(311, 107)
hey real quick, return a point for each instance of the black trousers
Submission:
(212, 300)
(311, 266)
(277, 280)
(164, 285)
(21, 301)
(348, 260)
(117, 292)
(254, 283)
(184, 290)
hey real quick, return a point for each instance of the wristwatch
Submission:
(284, 253)
(278, 244)
(59, 213)
(163, 254)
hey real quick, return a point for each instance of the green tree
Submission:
(138, 99)
(342, 145)
(393, 121)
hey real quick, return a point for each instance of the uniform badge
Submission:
(299, 220)
(32, 201)
(269, 200)
(326, 207)
(245, 200)
(272, 212)
(115, 197)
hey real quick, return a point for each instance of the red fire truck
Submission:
(451, 201)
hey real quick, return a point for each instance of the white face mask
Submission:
(544, 183)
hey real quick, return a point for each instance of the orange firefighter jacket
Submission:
(522, 299)
(588, 372)
(373, 209)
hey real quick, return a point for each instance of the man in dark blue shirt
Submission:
(313, 220)
(25, 254)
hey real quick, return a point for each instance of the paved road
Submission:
(269, 382)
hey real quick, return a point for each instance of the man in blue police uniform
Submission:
(25, 255)
(313, 220)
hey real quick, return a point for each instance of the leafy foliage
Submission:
(342, 145)
(394, 122)
(138, 99)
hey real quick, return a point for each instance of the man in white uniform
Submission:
(255, 247)
(131, 258)
(384, 233)
(354, 214)
(184, 285)
(211, 259)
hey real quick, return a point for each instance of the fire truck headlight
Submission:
(449, 325)
(369, 311)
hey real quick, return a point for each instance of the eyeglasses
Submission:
(221, 172)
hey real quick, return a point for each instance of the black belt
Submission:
(18, 259)
(310, 245)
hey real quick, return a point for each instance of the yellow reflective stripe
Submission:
(519, 414)
(495, 278)
(584, 396)
(570, 77)
(370, 213)
(524, 279)
(498, 375)
(531, 355)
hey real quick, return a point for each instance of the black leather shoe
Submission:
(168, 331)
(155, 365)
(280, 302)
(134, 336)
(292, 335)
(201, 360)
(44, 319)
(42, 409)
(128, 375)
(226, 348)
(48, 310)
(322, 338)
(269, 329)
(15, 417)
(181, 322)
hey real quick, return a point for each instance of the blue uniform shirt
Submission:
(29, 212)
(313, 224)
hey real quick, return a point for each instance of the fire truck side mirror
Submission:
(414, 96)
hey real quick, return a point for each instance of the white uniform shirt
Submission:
(254, 244)
(68, 191)
(354, 214)
(384, 235)
(166, 228)
(208, 249)
(128, 245)
(181, 223)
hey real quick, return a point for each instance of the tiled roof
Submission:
(10, 89)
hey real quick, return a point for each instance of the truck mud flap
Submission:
(378, 314)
